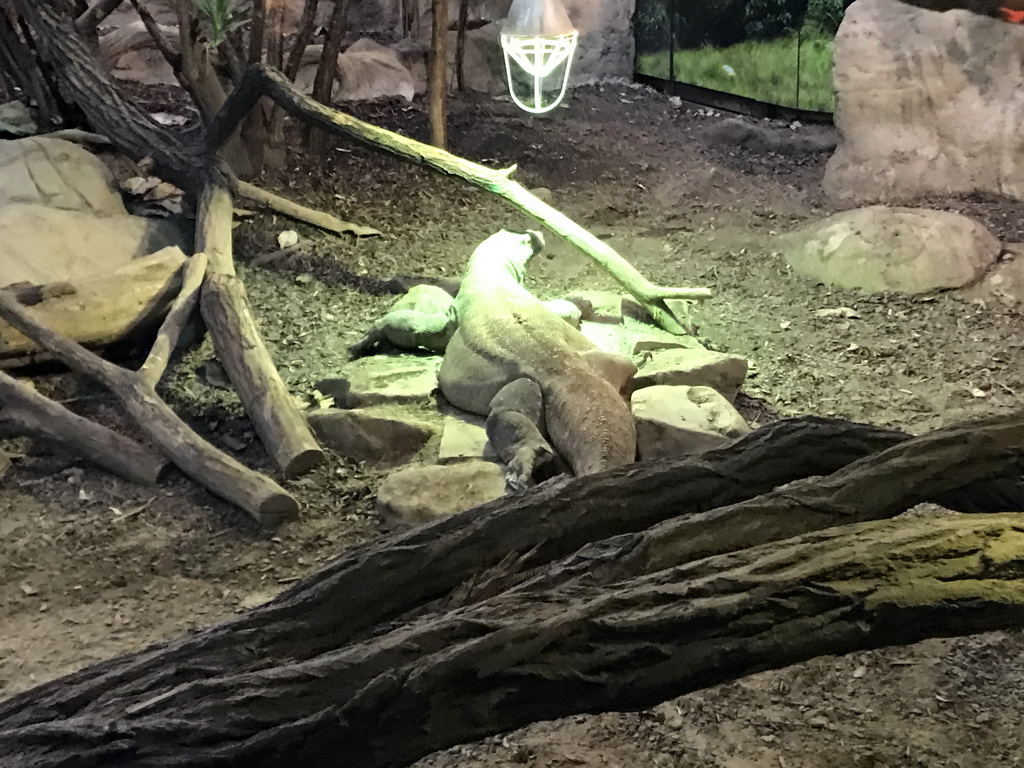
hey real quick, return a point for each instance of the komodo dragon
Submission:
(529, 371)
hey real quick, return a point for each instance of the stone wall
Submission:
(926, 102)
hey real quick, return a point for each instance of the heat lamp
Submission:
(538, 41)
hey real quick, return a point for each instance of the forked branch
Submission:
(261, 81)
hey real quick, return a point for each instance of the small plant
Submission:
(219, 18)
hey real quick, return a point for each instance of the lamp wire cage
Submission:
(538, 57)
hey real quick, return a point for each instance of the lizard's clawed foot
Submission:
(526, 461)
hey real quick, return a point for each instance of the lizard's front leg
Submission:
(515, 429)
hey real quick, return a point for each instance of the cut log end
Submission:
(277, 509)
(303, 462)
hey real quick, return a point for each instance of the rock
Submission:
(893, 249)
(366, 75)
(413, 55)
(371, 434)
(606, 44)
(383, 379)
(371, 71)
(57, 174)
(674, 421)
(464, 437)
(1005, 281)
(16, 121)
(926, 103)
(417, 495)
(695, 368)
(49, 245)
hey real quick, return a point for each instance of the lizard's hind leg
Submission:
(515, 429)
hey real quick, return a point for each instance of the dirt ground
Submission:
(91, 567)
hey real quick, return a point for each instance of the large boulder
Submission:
(48, 245)
(926, 102)
(366, 71)
(57, 174)
(893, 249)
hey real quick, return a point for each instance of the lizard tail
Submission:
(589, 422)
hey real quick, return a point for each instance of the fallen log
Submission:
(103, 310)
(525, 655)
(256, 494)
(308, 665)
(23, 411)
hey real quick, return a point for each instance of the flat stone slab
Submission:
(421, 494)
(383, 379)
(377, 435)
(675, 421)
(463, 438)
(694, 368)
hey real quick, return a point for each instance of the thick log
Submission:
(257, 494)
(450, 677)
(23, 411)
(384, 584)
(260, 81)
(280, 426)
(99, 311)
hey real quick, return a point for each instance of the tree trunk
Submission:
(437, 77)
(323, 83)
(383, 657)
(460, 45)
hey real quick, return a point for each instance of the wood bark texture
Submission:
(24, 411)
(437, 75)
(387, 654)
(257, 494)
(197, 170)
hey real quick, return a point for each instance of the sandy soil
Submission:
(91, 566)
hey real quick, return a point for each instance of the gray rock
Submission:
(48, 245)
(417, 495)
(57, 174)
(926, 103)
(893, 249)
(370, 72)
(695, 368)
(464, 437)
(674, 421)
(1005, 281)
(383, 379)
(371, 435)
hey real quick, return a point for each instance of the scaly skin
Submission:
(506, 334)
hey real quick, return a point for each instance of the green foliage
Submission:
(763, 70)
(825, 15)
(768, 19)
(220, 18)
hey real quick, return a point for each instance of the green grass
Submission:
(764, 70)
